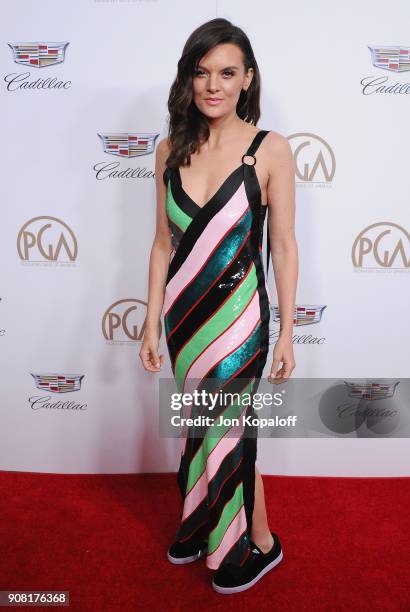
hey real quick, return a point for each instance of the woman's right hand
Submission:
(149, 351)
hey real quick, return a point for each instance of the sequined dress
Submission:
(216, 319)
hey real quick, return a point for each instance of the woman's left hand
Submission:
(283, 352)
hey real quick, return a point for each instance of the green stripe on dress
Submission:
(175, 213)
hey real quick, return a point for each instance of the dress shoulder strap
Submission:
(256, 142)
(251, 152)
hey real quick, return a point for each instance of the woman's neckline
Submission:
(220, 188)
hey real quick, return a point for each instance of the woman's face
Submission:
(218, 80)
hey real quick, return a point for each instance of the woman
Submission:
(217, 174)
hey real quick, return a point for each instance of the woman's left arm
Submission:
(284, 251)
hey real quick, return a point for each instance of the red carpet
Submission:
(345, 541)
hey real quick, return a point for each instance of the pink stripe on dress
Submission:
(232, 535)
(209, 239)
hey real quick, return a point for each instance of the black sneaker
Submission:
(186, 552)
(235, 578)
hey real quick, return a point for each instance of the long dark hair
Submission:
(188, 127)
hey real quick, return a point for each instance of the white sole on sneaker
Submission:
(248, 585)
(183, 560)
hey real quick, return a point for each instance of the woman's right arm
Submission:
(158, 269)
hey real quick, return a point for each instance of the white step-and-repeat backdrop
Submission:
(83, 99)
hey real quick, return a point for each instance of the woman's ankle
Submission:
(263, 541)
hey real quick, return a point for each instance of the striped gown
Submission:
(216, 320)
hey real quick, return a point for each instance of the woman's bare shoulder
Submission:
(164, 147)
(277, 146)
(276, 140)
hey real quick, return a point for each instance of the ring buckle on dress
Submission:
(248, 155)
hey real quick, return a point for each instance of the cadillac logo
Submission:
(303, 314)
(127, 144)
(37, 54)
(394, 58)
(371, 390)
(58, 383)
